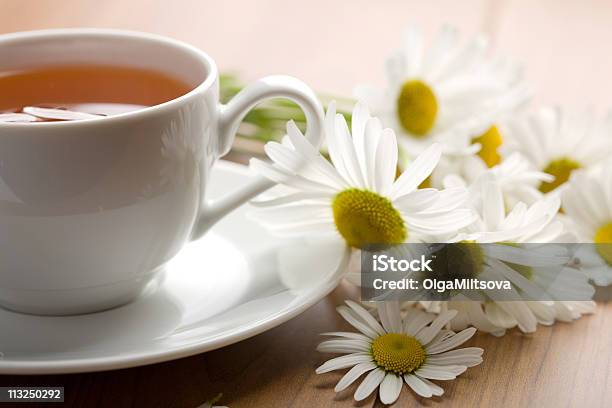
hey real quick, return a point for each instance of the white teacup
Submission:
(90, 211)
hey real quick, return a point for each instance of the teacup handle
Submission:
(230, 116)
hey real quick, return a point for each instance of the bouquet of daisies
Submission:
(449, 151)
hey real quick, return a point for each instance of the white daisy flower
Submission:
(355, 198)
(395, 350)
(587, 204)
(450, 93)
(522, 223)
(518, 181)
(558, 143)
(535, 272)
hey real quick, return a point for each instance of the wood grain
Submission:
(333, 46)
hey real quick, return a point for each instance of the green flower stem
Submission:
(268, 120)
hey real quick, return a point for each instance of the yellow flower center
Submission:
(524, 270)
(603, 241)
(417, 107)
(490, 141)
(398, 353)
(459, 260)
(560, 168)
(426, 183)
(365, 218)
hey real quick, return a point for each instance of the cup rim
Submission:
(60, 33)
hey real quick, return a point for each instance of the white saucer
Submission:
(234, 283)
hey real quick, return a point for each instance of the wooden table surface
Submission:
(566, 365)
(333, 46)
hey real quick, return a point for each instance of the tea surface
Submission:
(79, 92)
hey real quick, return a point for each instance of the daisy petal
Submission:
(418, 385)
(386, 162)
(493, 204)
(353, 374)
(435, 389)
(479, 320)
(304, 159)
(395, 67)
(369, 384)
(359, 119)
(440, 49)
(418, 200)
(389, 314)
(525, 318)
(444, 334)
(347, 335)
(344, 152)
(341, 362)
(498, 316)
(413, 44)
(450, 199)
(288, 199)
(366, 316)
(390, 388)
(451, 342)
(332, 143)
(417, 171)
(447, 222)
(284, 157)
(344, 346)
(356, 322)
(433, 372)
(419, 322)
(427, 334)
(290, 213)
(298, 182)
(372, 138)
